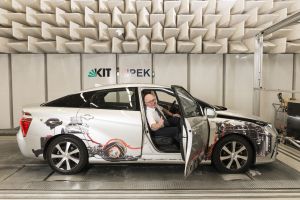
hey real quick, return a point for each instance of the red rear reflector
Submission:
(24, 124)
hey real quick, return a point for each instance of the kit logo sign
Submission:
(101, 72)
(139, 72)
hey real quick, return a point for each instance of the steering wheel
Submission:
(173, 107)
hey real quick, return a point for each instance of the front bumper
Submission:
(269, 148)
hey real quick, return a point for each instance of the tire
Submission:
(72, 163)
(226, 160)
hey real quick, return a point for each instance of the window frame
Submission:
(136, 106)
(54, 102)
(169, 92)
(186, 114)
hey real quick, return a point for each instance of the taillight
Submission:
(25, 123)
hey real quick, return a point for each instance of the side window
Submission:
(72, 100)
(115, 99)
(165, 97)
(112, 96)
(190, 107)
(86, 97)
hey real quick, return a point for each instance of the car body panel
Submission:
(46, 123)
(104, 130)
(262, 135)
(196, 126)
(231, 114)
(196, 143)
(262, 138)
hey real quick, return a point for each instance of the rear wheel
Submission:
(67, 155)
(233, 154)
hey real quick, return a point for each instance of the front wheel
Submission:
(67, 155)
(233, 154)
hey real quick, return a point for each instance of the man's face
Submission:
(150, 101)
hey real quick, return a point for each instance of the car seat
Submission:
(159, 140)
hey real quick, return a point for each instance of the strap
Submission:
(160, 114)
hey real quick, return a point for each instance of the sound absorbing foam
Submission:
(145, 26)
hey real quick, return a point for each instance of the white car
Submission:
(108, 124)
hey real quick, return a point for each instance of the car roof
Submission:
(103, 87)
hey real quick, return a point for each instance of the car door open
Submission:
(194, 131)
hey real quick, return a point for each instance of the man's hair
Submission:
(145, 92)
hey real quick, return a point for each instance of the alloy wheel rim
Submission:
(65, 156)
(234, 155)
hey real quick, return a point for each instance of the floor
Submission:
(23, 178)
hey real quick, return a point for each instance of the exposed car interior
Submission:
(167, 101)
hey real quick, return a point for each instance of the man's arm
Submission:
(169, 113)
(152, 123)
(158, 125)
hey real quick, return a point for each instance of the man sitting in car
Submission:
(159, 124)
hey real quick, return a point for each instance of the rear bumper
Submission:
(27, 147)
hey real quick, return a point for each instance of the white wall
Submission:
(98, 61)
(63, 74)
(28, 82)
(277, 74)
(135, 68)
(170, 69)
(5, 122)
(239, 82)
(207, 70)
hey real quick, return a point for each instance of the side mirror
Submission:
(210, 112)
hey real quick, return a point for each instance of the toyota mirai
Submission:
(107, 124)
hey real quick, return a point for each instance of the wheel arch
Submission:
(251, 142)
(57, 136)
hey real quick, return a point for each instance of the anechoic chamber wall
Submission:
(31, 79)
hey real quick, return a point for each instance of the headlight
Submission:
(272, 130)
(272, 134)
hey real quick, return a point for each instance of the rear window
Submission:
(116, 99)
(72, 101)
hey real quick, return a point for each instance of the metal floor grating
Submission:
(154, 194)
(18, 173)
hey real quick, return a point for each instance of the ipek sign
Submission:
(132, 72)
(138, 72)
(100, 72)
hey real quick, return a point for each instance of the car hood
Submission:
(231, 114)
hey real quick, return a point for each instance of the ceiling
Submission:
(143, 26)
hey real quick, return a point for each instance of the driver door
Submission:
(194, 131)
